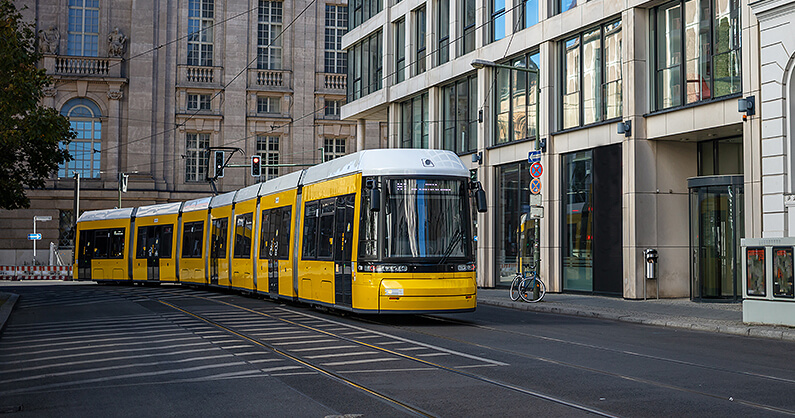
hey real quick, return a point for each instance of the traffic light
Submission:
(219, 164)
(256, 166)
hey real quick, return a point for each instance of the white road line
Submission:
(358, 353)
(85, 342)
(105, 360)
(99, 353)
(433, 354)
(265, 360)
(372, 360)
(305, 342)
(433, 347)
(324, 348)
(28, 353)
(408, 369)
(53, 340)
(118, 377)
(232, 347)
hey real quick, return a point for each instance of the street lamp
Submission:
(481, 63)
(35, 237)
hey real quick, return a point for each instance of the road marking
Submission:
(358, 353)
(324, 348)
(372, 360)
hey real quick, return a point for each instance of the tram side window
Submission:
(265, 234)
(141, 242)
(166, 239)
(243, 235)
(310, 231)
(219, 239)
(344, 227)
(101, 243)
(192, 238)
(284, 233)
(326, 229)
(86, 251)
(368, 232)
(117, 243)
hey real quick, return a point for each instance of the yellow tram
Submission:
(377, 231)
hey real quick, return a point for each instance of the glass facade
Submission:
(443, 25)
(460, 113)
(365, 67)
(420, 32)
(696, 50)
(513, 203)
(466, 42)
(577, 245)
(400, 50)
(414, 122)
(516, 110)
(592, 79)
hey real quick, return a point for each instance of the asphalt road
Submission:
(75, 349)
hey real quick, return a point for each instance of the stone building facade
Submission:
(150, 86)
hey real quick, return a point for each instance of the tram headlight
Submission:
(393, 292)
(466, 267)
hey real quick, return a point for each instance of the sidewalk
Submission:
(725, 318)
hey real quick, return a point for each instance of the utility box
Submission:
(768, 288)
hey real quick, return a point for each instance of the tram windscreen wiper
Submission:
(451, 246)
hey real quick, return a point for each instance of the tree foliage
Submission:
(33, 137)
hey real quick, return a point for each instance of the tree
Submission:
(33, 137)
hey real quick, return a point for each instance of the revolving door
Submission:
(716, 228)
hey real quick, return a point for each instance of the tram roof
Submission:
(225, 199)
(282, 183)
(157, 210)
(390, 162)
(106, 214)
(197, 204)
(247, 193)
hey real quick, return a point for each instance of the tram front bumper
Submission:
(427, 295)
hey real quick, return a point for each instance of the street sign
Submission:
(535, 200)
(536, 212)
(42, 218)
(536, 169)
(535, 186)
(34, 236)
(534, 156)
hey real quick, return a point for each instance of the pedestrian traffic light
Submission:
(256, 166)
(219, 164)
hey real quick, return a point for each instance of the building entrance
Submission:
(716, 227)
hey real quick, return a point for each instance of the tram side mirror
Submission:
(480, 198)
(375, 196)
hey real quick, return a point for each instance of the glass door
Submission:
(716, 227)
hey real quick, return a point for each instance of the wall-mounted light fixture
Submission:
(542, 144)
(477, 157)
(625, 128)
(747, 105)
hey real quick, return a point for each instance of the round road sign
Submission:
(536, 169)
(535, 186)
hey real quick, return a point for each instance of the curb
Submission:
(687, 323)
(6, 307)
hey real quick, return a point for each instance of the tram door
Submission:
(84, 255)
(218, 247)
(343, 248)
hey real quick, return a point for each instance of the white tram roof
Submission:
(106, 214)
(247, 193)
(390, 162)
(158, 210)
(225, 199)
(196, 204)
(282, 183)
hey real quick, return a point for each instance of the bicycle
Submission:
(529, 289)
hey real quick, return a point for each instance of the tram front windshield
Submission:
(425, 218)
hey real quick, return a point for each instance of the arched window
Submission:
(84, 116)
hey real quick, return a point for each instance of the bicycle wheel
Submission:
(532, 289)
(515, 287)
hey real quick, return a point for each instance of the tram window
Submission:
(326, 229)
(344, 227)
(265, 234)
(117, 243)
(140, 243)
(220, 227)
(166, 238)
(310, 231)
(284, 233)
(101, 243)
(368, 232)
(86, 250)
(243, 233)
(192, 238)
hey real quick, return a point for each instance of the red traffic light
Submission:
(256, 167)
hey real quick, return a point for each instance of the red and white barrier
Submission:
(35, 272)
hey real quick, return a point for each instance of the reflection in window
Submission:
(83, 33)
(592, 80)
(466, 41)
(460, 113)
(400, 50)
(365, 67)
(578, 221)
(497, 23)
(709, 64)
(414, 122)
(517, 100)
(420, 31)
(443, 25)
(514, 200)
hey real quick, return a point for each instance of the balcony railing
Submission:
(82, 66)
(200, 75)
(334, 81)
(274, 79)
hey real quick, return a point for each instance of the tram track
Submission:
(337, 376)
(636, 379)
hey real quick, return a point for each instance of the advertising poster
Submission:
(755, 280)
(782, 272)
